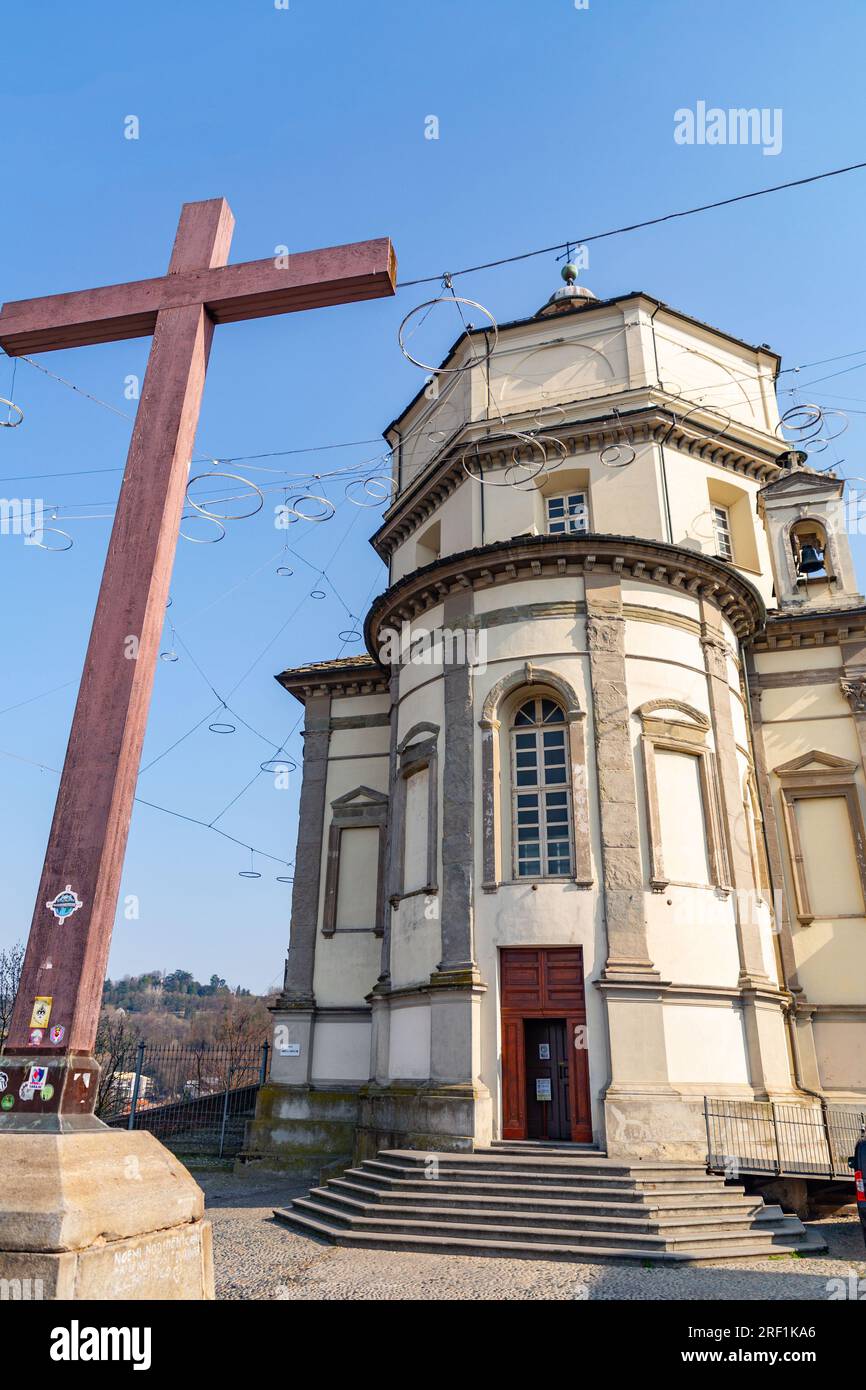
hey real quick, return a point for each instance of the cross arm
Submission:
(253, 289)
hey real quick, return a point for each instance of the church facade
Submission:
(581, 836)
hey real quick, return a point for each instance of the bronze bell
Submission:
(811, 560)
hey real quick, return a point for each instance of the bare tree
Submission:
(11, 962)
(117, 1039)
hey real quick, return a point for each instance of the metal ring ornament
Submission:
(318, 593)
(284, 878)
(54, 531)
(679, 420)
(349, 634)
(248, 873)
(617, 455)
(449, 371)
(542, 420)
(383, 481)
(285, 571)
(511, 468)
(277, 765)
(824, 440)
(716, 434)
(709, 534)
(222, 728)
(170, 655)
(547, 441)
(225, 516)
(11, 424)
(325, 515)
(197, 540)
(803, 422)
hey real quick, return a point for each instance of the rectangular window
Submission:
(682, 818)
(829, 856)
(568, 514)
(722, 532)
(415, 866)
(542, 811)
(358, 883)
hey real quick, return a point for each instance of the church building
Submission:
(581, 834)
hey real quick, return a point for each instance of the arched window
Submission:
(541, 791)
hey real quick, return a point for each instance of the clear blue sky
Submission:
(555, 123)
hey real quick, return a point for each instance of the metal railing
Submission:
(197, 1100)
(752, 1136)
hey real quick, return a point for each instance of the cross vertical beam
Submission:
(57, 1009)
(66, 961)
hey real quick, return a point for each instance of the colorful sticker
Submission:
(25, 1092)
(47, 1091)
(6, 1102)
(37, 1078)
(35, 1037)
(41, 1011)
(57, 1034)
(65, 903)
(4, 1082)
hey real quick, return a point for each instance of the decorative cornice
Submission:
(790, 631)
(551, 557)
(354, 676)
(651, 423)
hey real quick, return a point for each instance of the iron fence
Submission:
(197, 1100)
(751, 1136)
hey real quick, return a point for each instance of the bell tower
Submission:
(805, 517)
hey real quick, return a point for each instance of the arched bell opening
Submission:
(810, 551)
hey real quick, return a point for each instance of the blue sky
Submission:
(554, 123)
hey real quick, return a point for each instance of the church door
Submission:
(547, 1109)
(544, 1044)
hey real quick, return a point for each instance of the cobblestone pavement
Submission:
(257, 1258)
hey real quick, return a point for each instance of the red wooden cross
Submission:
(57, 1010)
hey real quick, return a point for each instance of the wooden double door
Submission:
(545, 1065)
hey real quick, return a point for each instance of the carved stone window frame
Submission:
(833, 777)
(361, 808)
(532, 681)
(687, 735)
(417, 751)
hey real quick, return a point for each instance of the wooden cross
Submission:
(57, 1010)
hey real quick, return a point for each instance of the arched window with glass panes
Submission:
(541, 791)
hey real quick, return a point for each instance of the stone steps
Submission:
(544, 1205)
(646, 1236)
(456, 1198)
(342, 1206)
(531, 1173)
(378, 1181)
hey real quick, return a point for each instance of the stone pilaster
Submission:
(298, 981)
(458, 805)
(631, 986)
(391, 855)
(763, 1018)
(781, 914)
(622, 870)
(853, 686)
(733, 815)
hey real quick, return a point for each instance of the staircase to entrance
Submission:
(545, 1201)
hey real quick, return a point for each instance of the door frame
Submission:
(513, 1073)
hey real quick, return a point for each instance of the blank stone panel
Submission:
(357, 889)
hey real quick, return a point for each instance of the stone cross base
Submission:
(105, 1214)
